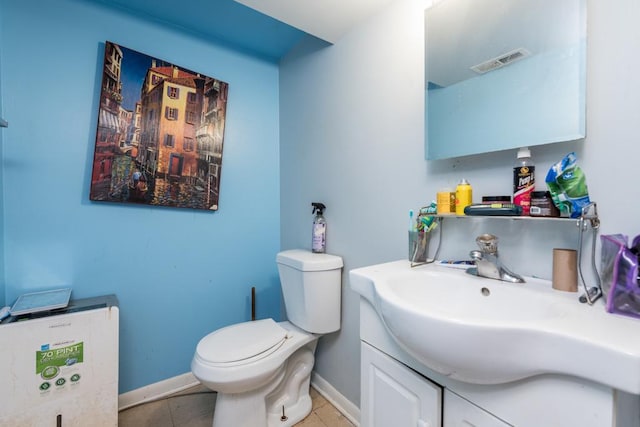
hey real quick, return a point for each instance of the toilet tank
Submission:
(311, 286)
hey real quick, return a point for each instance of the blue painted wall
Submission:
(178, 273)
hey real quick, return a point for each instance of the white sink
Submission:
(485, 331)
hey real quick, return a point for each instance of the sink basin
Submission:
(485, 331)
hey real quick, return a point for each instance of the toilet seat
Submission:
(253, 372)
(241, 343)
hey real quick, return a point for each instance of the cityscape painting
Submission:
(160, 133)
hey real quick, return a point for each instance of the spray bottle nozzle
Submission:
(318, 207)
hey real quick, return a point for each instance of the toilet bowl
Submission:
(251, 385)
(262, 369)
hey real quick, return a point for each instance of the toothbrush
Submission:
(411, 224)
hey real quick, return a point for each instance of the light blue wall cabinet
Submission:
(178, 273)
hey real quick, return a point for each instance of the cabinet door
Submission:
(395, 396)
(459, 412)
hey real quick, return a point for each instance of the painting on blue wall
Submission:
(160, 133)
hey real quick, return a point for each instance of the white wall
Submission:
(352, 138)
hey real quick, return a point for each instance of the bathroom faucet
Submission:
(487, 262)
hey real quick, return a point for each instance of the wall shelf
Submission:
(512, 217)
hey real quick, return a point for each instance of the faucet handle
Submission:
(488, 243)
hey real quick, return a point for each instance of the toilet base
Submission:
(263, 407)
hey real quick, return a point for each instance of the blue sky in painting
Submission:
(134, 69)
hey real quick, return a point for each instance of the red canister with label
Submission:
(524, 180)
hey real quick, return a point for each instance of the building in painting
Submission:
(109, 133)
(126, 118)
(171, 103)
(210, 136)
(134, 130)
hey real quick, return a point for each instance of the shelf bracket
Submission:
(3, 123)
(589, 216)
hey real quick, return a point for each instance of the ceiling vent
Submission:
(501, 61)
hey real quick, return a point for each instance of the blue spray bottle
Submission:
(319, 235)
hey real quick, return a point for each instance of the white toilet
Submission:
(261, 370)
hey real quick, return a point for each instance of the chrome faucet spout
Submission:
(488, 264)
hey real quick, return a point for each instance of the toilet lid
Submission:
(241, 341)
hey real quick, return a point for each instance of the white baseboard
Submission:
(341, 403)
(156, 391)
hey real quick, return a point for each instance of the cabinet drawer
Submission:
(459, 412)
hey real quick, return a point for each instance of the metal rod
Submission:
(253, 303)
(591, 295)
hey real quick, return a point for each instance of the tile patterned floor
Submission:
(194, 408)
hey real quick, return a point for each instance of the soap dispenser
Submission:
(319, 235)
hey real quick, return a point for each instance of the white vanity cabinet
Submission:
(394, 395)
(399, 391)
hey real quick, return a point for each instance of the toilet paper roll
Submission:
(565, 270)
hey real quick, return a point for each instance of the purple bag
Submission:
(619, 274)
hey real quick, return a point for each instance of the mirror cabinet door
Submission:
(502, 74)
